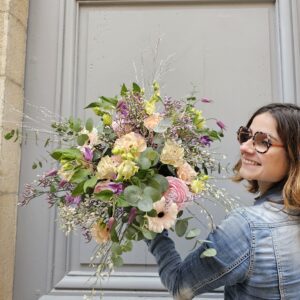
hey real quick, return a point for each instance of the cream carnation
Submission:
(172, 154)
(107, 167)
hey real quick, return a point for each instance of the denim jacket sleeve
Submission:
(195, 274)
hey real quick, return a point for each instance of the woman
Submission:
(258, 247)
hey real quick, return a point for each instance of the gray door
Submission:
(79, 50)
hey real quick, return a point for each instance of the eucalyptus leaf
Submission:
(145, 204)
(163, 125)
(209, 253)
(132, 194)
(116, 249)
(117, 261)
(89, 125)
(153, 193)
(159, 182)
(192, 233)
(77, 125)
(181, 227)
(81, 139)
(144, 163)
(149, 235)
(127, 246)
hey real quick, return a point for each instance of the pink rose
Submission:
(178, 192)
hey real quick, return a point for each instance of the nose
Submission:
(247, 146)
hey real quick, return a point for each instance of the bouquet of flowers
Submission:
(129, 175)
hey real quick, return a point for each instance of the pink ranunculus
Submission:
(178, 192)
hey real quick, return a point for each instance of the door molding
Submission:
(62, 279)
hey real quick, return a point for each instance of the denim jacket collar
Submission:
(275, 197)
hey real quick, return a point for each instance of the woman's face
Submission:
(269, 167)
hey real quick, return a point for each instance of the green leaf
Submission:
(104, 195)
(116, 249)
(209, 253)
(144, 163)
(149, 235)
(113, 234)
(121, 202)
(34, 165)
(89, 125)
(78, 189)
(117, 261)
(68, 154)
(40, 164)
(145, 204)
(47, 142)
(79, 175)
(52, 188)
(136, 88)
(77, 125)
(124, 90)
(192, 233)
(163, 125)
(181, 227)
(153, 193)
(90, 183)
(9, 135)
(133, 194)
(159, 182)
(127, 246)
(81, 139)
(112, 102)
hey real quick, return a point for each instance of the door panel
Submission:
(79, 50)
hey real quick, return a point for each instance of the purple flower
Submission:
(62, 183)
(205, 140)
(122, 108)
(206, 100)
(221, 125)
(115, 187)
(72, 200)
(51, 173)
(87, 153)
(132, 215)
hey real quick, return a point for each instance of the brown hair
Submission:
(287, 117)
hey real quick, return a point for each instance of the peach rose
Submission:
(152, 121)
(186, 173)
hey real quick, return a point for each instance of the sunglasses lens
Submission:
(243, 135)
(261, 142)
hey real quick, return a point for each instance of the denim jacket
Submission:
(258, 255)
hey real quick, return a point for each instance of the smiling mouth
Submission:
(250, 162)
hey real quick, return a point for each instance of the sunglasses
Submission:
(261, 141)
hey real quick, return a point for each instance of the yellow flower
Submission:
(186, 173)
(126, 170)
(152, 121)
(172, 154)
(130, 142)
(66, 170)
(107, 168)
(107, 119)
(197, 186)
(166, 216)
(100, 232)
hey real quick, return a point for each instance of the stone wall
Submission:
(13, 30)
